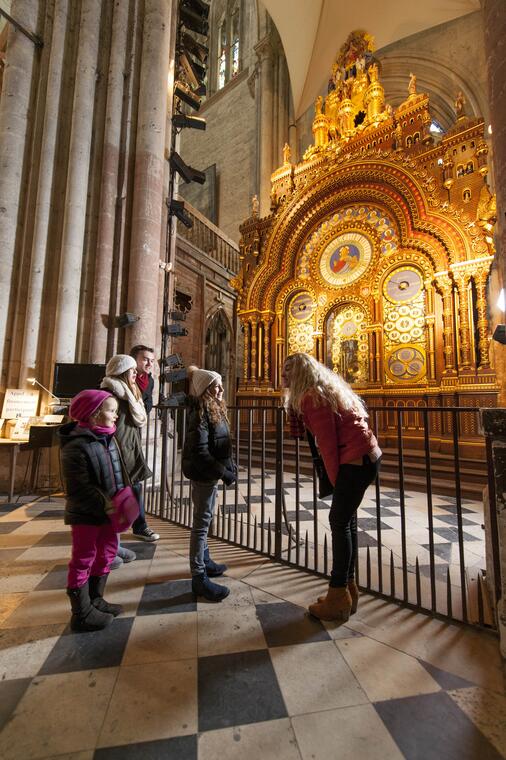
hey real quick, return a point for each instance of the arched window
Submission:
(228, 46)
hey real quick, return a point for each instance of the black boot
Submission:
(97, 586)
(202, 586)
(86, 617)
(213, 569)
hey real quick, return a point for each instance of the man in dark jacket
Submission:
(145, 358)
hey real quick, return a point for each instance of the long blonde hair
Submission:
(306, 375)
(130, 384)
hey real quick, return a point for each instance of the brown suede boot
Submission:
(335, 606)
(354, 593)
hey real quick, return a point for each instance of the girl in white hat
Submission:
(207, 459)
(121, 372)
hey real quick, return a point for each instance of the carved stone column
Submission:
(494, 23)
(465, 334)
(14, 128)
(76, 195)
(480, 280)
(265, 53)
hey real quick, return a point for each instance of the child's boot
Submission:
(202, 586)
(96, 587)
(213, 569)
(86, 617)
(335, 606)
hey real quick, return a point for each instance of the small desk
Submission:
(14, 447)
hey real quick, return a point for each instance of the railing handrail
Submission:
(219, 233)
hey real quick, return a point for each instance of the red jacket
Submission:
(341, 438)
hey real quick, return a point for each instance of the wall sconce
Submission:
(55, 400)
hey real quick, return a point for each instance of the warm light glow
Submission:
(31, 380)
(501, 301)
(489, 129)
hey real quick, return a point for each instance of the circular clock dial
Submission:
(346, 258)
(406, 363)
(403, 285)
(302, 307)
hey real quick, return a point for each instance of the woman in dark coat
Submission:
(121, 371)
(207, 459)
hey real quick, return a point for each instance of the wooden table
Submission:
(14, 449)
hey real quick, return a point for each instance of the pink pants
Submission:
(93, 549)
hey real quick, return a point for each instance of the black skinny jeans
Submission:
(351, 484)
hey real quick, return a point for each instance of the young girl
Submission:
(336, 416)
(206, 460)
(91, 466)
(120, 377)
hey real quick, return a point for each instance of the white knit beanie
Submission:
(201, 379)
(119, 364)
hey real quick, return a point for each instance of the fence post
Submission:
(278, 506)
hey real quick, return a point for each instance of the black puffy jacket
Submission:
(92, 473)
(207, 452)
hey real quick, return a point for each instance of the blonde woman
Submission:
(121, 372)
(207, 459)
(321, 401)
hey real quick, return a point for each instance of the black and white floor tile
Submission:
(252, 677)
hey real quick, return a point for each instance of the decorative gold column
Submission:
(480, 280)
(431, 340)
(319, 347)
(280, 348)
(253, 351)
(446, 286)
(246, 361)
(462, 280)
(267, 322)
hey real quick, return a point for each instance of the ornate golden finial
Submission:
(373, 73)
(486, 213)
(287, 154)
(255, 206)
(318, 104)
(460, 104)
(412, 84)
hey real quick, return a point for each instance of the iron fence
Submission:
(421, 539)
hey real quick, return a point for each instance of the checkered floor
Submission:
(260, 495)
(252, 677)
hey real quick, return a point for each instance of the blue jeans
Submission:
(351, 484)
(204, 499)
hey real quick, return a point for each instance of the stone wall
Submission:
(229, 143)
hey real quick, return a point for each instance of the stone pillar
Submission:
(494, 21)
(109, 190)
(494, 426)
(14, 123)
(76, 197)
(265, 54)
(42, 209)
(148, 198)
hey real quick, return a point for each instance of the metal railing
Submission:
(417, 545)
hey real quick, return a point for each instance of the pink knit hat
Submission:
(85, 403)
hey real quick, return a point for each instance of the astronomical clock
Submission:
(376, 254)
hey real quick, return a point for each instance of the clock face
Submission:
(302, 307)
(403, 285)
(406, 363)
(345, 259)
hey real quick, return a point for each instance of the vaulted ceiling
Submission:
(312, 31)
